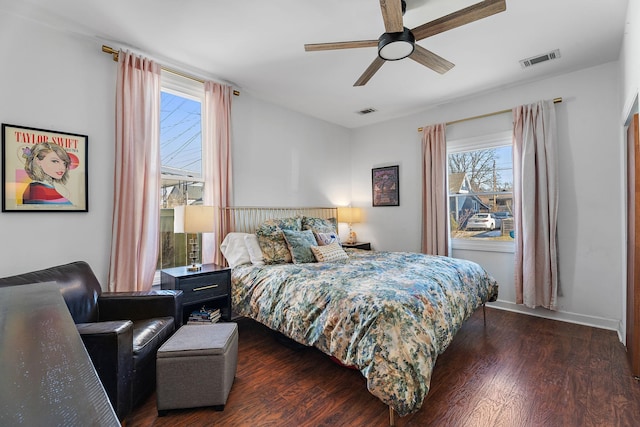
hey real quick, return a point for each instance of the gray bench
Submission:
(196, 367)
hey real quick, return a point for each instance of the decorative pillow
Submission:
(271, 240)
(299, 244)
(329, 253)
(255, 253)
(320, 225)
(325, 239)
(235, 250)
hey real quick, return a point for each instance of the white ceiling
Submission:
(258, 46)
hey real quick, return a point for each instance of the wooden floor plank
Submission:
(516, 371)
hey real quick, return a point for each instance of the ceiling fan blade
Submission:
(392, 15)
(461, 17)
(370, 71)
(431, 60)
(340, 45)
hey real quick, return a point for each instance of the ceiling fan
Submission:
(399, 42)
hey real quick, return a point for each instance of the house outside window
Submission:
(480, 181)
(182, 180)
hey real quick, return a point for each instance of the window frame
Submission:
(194, 90)
(186, 88)
(482, 142)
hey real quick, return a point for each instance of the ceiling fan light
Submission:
(395, 46)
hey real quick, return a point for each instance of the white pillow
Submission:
(255, 253)
(234, 249)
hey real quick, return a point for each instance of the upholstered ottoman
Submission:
(196, 367)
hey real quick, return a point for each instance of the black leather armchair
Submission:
(121, 331)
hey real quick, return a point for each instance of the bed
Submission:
(387, 314)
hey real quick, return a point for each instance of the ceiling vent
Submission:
(554, 54)
(367, 111)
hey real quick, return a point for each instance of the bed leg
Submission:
(484, 315)
(392, 422)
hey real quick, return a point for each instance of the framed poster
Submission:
(385, 186)
(43, 170)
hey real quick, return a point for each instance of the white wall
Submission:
(56, 80)
(589, 131)
(53, 81)
(283, 158)
(629, 57)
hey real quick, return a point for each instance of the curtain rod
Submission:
(495, 113)
(115, 54)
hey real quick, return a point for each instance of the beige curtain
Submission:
(535, 195)
(216, 148)
(134, 236)
(435, 222)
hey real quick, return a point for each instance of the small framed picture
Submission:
(43, 170)
(385, 185)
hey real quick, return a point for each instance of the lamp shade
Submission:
(193, 219)
(349, 214)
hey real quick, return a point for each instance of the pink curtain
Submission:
(216, 148)
(134, 241)
(535, 195)
(435, 221)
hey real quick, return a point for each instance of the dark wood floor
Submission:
(516, 371)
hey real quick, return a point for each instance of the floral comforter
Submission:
(390, 314)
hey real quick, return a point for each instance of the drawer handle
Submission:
(203, 288)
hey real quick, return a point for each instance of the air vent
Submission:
(367, 111)
(526, 63)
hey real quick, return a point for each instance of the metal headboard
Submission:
(246, 219)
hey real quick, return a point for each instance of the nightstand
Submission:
(211, 286)
(357, 245)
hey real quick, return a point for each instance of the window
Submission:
(181, 158)
(480, 177)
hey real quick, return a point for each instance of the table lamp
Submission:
(350, 215)
(193, 219)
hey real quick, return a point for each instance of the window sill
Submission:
(488, 246)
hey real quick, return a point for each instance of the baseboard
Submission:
(563, 316)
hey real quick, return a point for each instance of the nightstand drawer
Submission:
(205, 287)
(209, 286)
(357, 245)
